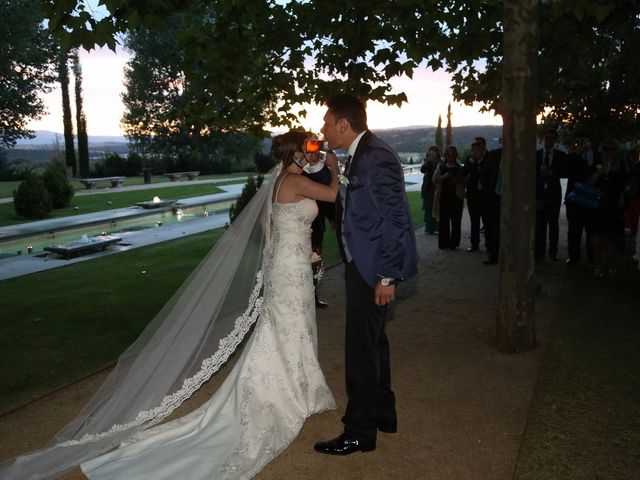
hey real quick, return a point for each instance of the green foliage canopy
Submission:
(170, 115)
(285, 55)
(26, 69)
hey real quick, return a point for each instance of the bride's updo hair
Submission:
(284, 146)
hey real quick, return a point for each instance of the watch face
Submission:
(385, 282)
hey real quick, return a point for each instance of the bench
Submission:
(90, 183)
(174, 177)
(83, 246)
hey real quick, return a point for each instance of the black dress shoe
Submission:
(345, 444)
(388, 426)
(572, 261)
(321, 304)
(553, 257)
(472, 249)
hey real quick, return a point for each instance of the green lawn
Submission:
(60, 325)
(584, 422)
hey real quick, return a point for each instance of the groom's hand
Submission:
(385, 295)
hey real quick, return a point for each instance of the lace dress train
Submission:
(262, 404)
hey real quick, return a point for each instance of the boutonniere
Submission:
(354, 182)
(351, 182)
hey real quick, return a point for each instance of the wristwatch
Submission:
(386, 281)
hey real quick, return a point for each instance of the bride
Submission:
(275, 385)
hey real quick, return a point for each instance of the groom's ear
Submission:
(343, 126)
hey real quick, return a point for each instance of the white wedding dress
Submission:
(261, 406)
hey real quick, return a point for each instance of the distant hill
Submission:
(416, 140)
(407, 141)
(45, 138)
(47, 145)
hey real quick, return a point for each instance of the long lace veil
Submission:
(182, 347)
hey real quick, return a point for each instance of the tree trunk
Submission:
(81, 121)
(515, 325)
(67, 122)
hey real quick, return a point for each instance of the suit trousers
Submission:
(547, 217)
(367, 367)
(450, 222)
(577, 223)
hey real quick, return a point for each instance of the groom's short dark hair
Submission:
(349, 107)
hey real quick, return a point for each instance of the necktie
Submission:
(546, 166)
(347, 165)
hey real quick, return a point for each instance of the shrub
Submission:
(31, 199)
(248, 191)
(113, 164)
(59, 188)
(11, 170)
(135, 164)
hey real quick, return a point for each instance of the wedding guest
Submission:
(577, 170)
(319, 172)
(449, 199)
(549, 165)
(431, 161)
(606, 222)
(471, 171)
(489, 174)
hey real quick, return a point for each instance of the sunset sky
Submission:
(428, 95)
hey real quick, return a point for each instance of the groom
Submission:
(378, 247)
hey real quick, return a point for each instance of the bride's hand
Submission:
(331, 161)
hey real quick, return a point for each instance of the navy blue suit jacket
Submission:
(552, 194)
(377, 221)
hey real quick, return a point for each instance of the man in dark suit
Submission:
(493, 197)
(550, 163)
(471, 170)
(377, 243)
(481, 170)
(319, 172)
(577, 170)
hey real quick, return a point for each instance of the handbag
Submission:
(585, 195)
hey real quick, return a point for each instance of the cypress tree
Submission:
(449, 129)
(81, 121)
(439, 141)
(67, 122)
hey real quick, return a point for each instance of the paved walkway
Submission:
(462, 405)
